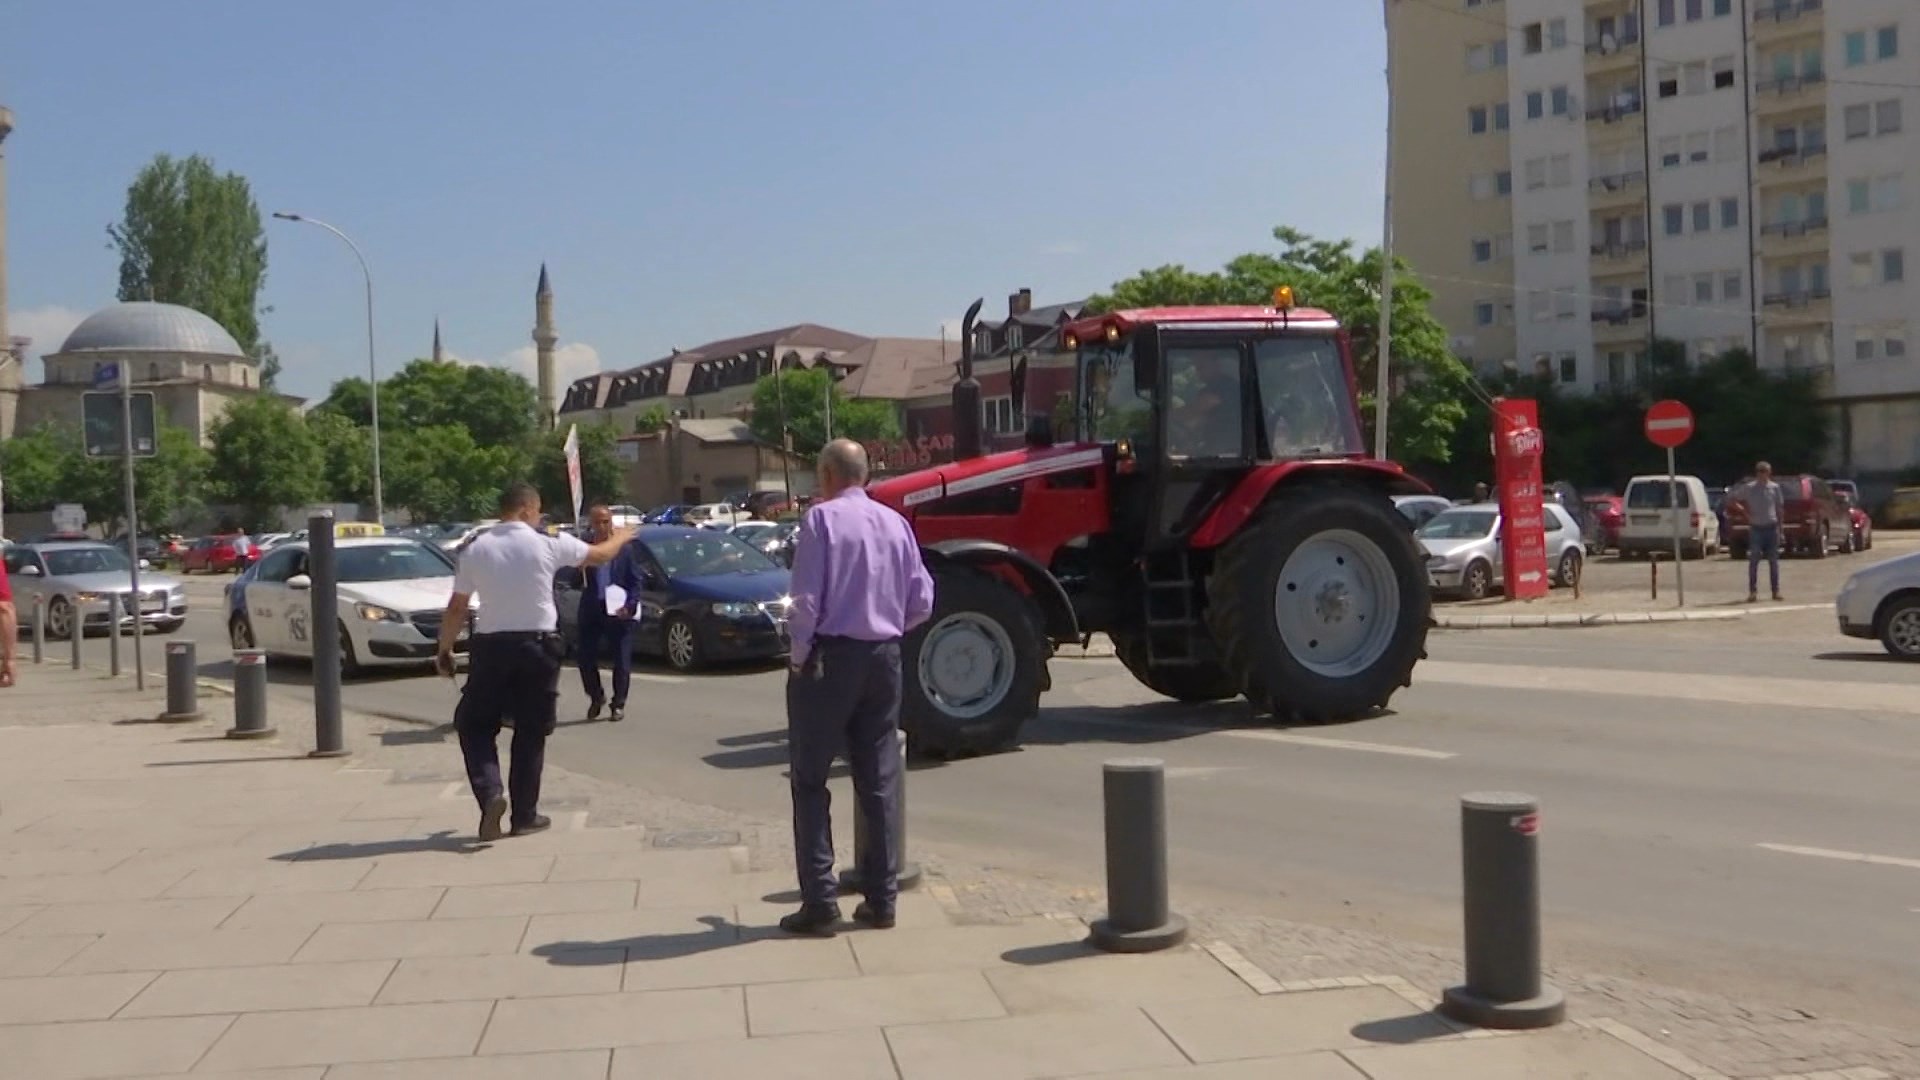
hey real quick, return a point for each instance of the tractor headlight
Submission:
(376, 613)
(731, 609)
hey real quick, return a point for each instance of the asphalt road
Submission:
(1726, 806)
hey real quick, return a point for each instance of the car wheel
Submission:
(1900, 628)
(240, 633)
(1569, 572)
(1477, 582)
(1823, 543)
(349, 663)
(682, 643)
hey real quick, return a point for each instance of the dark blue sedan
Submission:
(704, 595)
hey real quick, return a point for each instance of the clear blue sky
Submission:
(688, 171)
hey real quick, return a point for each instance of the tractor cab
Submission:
(1193, 399)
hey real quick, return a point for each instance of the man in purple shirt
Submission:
(858, 586)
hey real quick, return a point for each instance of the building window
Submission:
(1483, 313)
(1664, 15)
(1722, 72)
(1886, 43)
(1670, 151)
(1893, 266)
(1569, 367)
(1886, 116)
(1694, 12)
(1668, 81)
(1703, 288)
(1859, 197)
(1673, 219)
(1893, 345)
(1562, 101)
(1502, 119)
(1503, 182)
(1697, 148)
(206, 372)
(1535, 170)
(1702, 216)
(1564, 304)
(1886, 193)
(1856, 48)
(1722, 7)
(1860, 270)
(1477, 120)
(1482, 249)
(1556, 33)
(1536, 105)
(1864, 342)
(1731, 286)
(1730, 213)
(996, 414)
(1537, 240)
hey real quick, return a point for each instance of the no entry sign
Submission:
(1669, 423)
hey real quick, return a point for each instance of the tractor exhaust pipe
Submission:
(966, 394)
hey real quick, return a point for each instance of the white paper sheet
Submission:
(616, 599)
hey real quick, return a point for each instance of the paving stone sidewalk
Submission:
(173, 902)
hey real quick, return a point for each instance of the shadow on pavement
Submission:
(1059, 951)
(442, 841)
(1403, 1030)
(1862, 657)
(722, 933)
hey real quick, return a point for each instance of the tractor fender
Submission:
(1226, 518)
(1056, 610)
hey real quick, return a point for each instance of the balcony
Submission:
(1617, 190)
(1805, 307)
(1785, 94)
(1619, 256)
(1608, 55)
(1791, 164)
(1616, 112)
(1620, 326)
(1783, 19)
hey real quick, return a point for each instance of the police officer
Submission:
(858, 585)
(516, 652)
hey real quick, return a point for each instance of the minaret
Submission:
(438, 355)
(544, 339)
(6, 128)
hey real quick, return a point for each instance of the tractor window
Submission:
(1114, 409)
(1203, 418)
(1303, 398)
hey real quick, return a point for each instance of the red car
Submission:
(219, 554)
(1862, 521)
(1815, 520)
(1610, 512)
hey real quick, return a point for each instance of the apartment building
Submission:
(1576, 179)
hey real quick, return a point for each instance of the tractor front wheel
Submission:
(1187, 682)
(1321, 605)
(972, 673)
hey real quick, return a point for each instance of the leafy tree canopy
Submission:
(805, 392)
(265, 459)
(602, 475)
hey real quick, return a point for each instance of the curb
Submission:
(1605, 618)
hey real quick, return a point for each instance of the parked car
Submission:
(392, 594)
(1862, 521)
(716, 515)
(1812, 519)
(219, 555)
(705, 595)
(76, 579)
(1902, 509)
(671, 514)
(1883, 601)
(1655, 513)
(1608, 513)
(1465, 552)
(1419, 509)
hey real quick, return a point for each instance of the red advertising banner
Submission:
(1517, 448)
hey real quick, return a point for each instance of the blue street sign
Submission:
(106, 376)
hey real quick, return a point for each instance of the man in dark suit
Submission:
(601, 630)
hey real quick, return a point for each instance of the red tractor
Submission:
(1215, 514)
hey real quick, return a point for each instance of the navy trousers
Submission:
(510, 675)
(598, 633)
(846, 700)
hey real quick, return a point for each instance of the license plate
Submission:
(1646, 519)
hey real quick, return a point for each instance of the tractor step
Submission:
(1175, 636)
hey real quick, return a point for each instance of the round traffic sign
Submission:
(1669, 423)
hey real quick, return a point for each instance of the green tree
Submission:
(1431, 402)
(48, 465)
(192, 236)
(495, 405)
(351, 399)
(37, 466)
(265, 459)
(602, 475)
(346, 450)
(805, 391)
(441, 474)
(650, 421)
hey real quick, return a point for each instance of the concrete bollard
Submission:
(183, 684)
(323, 600)
(1138, 919)
(1500, 874)
(113, 641)
(39, 630)
(250, 696)
(908, 871)
(77, 632)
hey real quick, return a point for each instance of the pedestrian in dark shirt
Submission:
(858, 585)
(602, 630)
(515, 652)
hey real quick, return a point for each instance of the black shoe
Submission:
(540, 823)
(878, 918)
(618, 714)
(490, 816)
(811, 920)
(593, 710)
(507, 724)
(1777, 596)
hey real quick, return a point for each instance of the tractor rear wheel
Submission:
(1320, 605)
(971, 674)
(1187, 682)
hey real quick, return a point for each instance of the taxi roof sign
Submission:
(346, 529)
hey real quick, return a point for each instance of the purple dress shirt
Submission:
(857, 573)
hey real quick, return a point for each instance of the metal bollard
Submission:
(323, 599)
(907, 871)
(250, 696)
(77, 632)
(183, 684)
(1138, 919)
(39, 630)
(113, 642)
(1500, 872)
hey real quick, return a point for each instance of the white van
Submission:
(1651, 510)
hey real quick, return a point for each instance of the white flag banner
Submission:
(573, 468)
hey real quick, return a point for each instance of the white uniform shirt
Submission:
(510, 567)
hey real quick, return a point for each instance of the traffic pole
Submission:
(39, 630)
(1673, 502)
(324, 595)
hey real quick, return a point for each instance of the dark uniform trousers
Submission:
(599, 632)
(517, 676)
(847, 698)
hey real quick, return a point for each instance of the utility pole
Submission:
(786, 436)
(1382, 378)
(133, 524)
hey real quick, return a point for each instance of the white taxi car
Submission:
(392, 594)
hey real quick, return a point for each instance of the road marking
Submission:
(1843, 856)
(641, 676)
(1188, 772)
(1887, 697)
(1339, 744)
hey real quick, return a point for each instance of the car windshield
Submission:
(754, 533)
(1458, 525)
(392, 562)
(707, 555)
(68, 562)
(1653, 495)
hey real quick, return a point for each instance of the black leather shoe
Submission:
(812, 921)
(878, 918)
(618, 714)
(593, 710)
(490, 817)
(540, 823)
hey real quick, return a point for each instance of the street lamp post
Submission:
(373, 376)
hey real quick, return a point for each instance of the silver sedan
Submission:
(91, 584)
(1465, 554)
